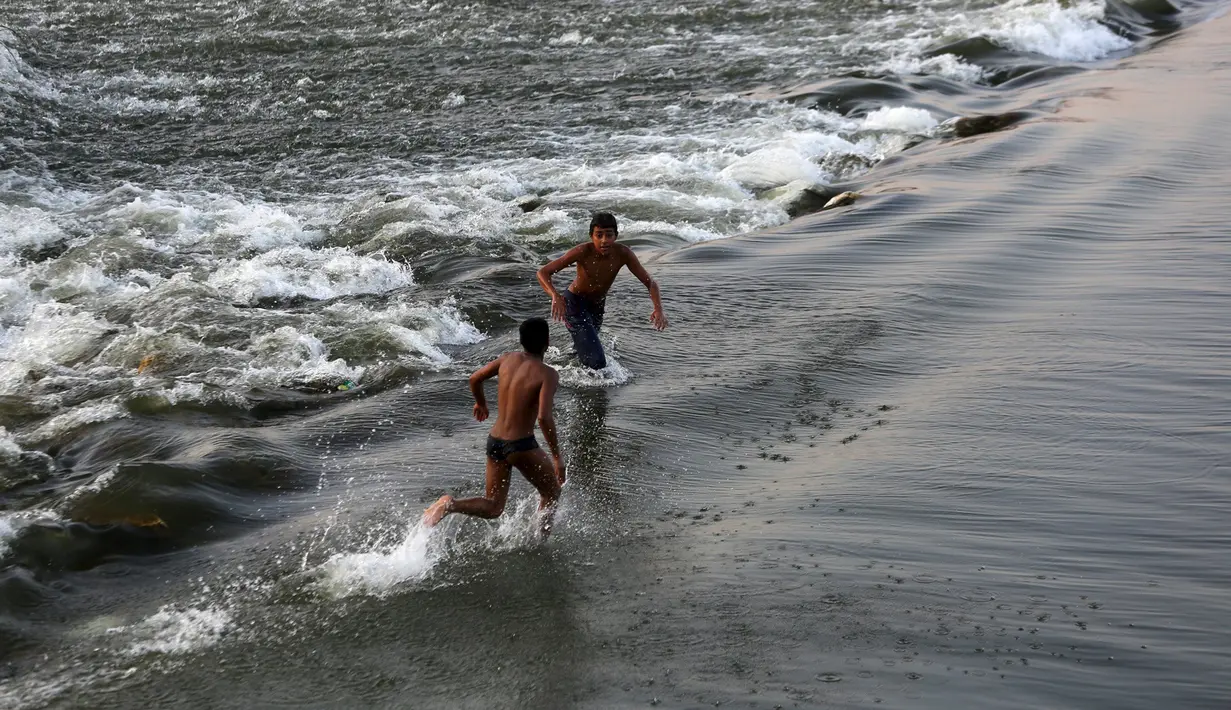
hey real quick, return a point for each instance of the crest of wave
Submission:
(1063, 31)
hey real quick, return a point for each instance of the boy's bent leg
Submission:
(489, 506)
(537, 468)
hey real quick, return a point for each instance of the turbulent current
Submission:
(961, 440)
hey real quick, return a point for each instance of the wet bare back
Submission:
(520, 386)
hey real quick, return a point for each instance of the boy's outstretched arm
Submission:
(657, 317)
(548, 270)
(477, 379)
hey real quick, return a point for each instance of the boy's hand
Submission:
(560, 470)
(558, 308)
(659, 319)
(480, 412)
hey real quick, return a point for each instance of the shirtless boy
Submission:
(526, 390)
(581, 305)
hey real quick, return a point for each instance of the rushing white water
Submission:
(175, 631)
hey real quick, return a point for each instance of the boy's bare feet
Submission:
(438, 510)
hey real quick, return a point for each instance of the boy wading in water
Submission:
(581, 305)
(525, 392)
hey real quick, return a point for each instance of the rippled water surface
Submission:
(963, 442)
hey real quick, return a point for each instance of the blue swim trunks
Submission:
(583, 318)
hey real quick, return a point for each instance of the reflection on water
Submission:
(588, 445)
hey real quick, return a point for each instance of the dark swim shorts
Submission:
(498, 450)
(583, 318)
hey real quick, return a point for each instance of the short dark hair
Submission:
(603, 220)
(534, 335)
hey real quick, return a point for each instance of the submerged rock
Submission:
(976, 125)
(800, 197)
(842, 200)
(530, 203)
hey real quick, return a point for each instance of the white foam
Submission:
(55, 334)
(176, 631)
(1068, 32)
(127, 209)
(288, 356)
(571, 38)
(262, 227)
(420, 550)
(133, 80)
(693, 233)
(27, 228)
(699, 184)
(576, 375)
(901, 119)
(10, 452)
(8, 531)
(454, 100)
(410, 560)
(441, 324)
(772, 167)
(417, 341)
(136, 106)
(188, 219)
(73, 419)
(291, 272)
(519, 526)
(947, 65)
(133, 93)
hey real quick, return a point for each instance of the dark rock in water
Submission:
(800, 197)
(47, 252)
(530, 203)
(977, 125)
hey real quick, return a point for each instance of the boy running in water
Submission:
(525, 392)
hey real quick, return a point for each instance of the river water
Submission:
(963, 442)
